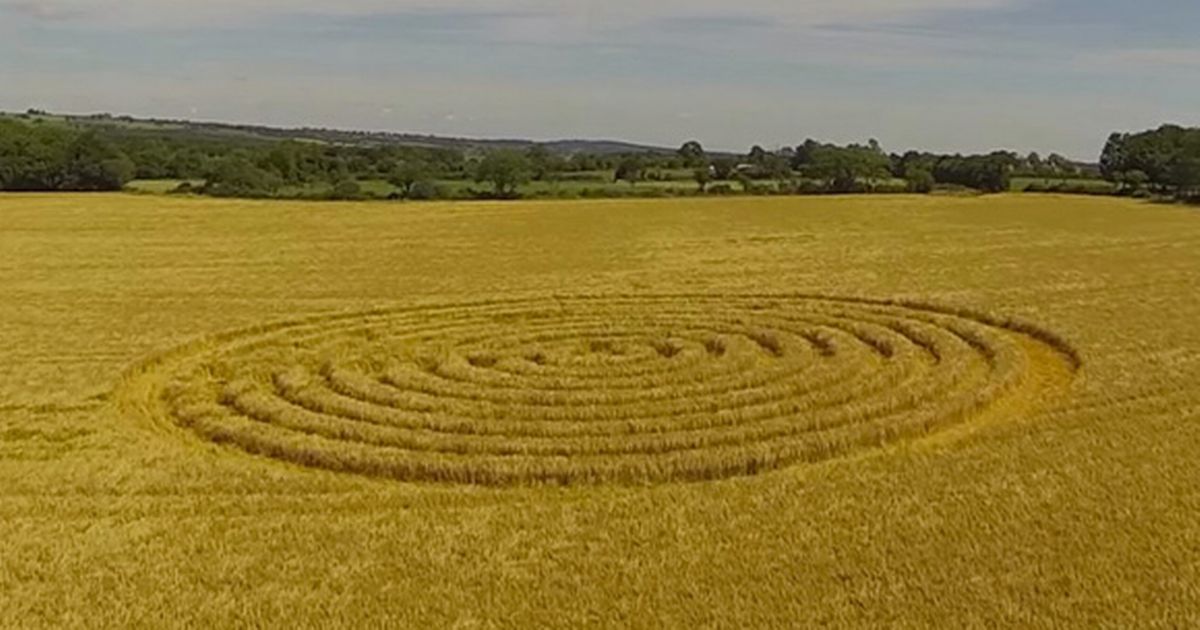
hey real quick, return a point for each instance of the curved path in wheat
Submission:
(597, 389)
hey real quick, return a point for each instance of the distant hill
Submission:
(158, 126)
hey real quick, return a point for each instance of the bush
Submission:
(989, 173)
(920, 181)
(809, 187)
(955, 190)
(893, 187)
(236, 176)
(425, 190)
(346, 190)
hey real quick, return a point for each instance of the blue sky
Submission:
(1045, 75)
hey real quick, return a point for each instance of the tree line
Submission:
(815, 167)
(1165, 160)
(36, 158)
(35, 155)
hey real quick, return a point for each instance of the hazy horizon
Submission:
(940, 75)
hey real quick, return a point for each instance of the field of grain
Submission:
(878, 411)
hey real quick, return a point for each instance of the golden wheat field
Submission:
(851, 411)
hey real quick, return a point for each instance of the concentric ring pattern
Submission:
(593, 390)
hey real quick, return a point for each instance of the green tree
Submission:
(920, 181)
(693, 155)
(1113, 161)
(846, 169)
(425, 190)
(723, 168)
(347, 189)
(775, 167)
(703, 177)
(1034, 163)
(630, 169)
(1060, 165)
(1132, 181)
(989, 173)
(544, 164)
(803, 155)
(92, 165)
(407, 174)
(744, 181)
(505, 170)
(51, 157)
(1165, 155)
(758, 156)
(1184, 175)
(285, 160)
(237, 176)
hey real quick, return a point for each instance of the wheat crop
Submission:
(872, 411)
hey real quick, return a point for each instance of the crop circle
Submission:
(594, 389)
